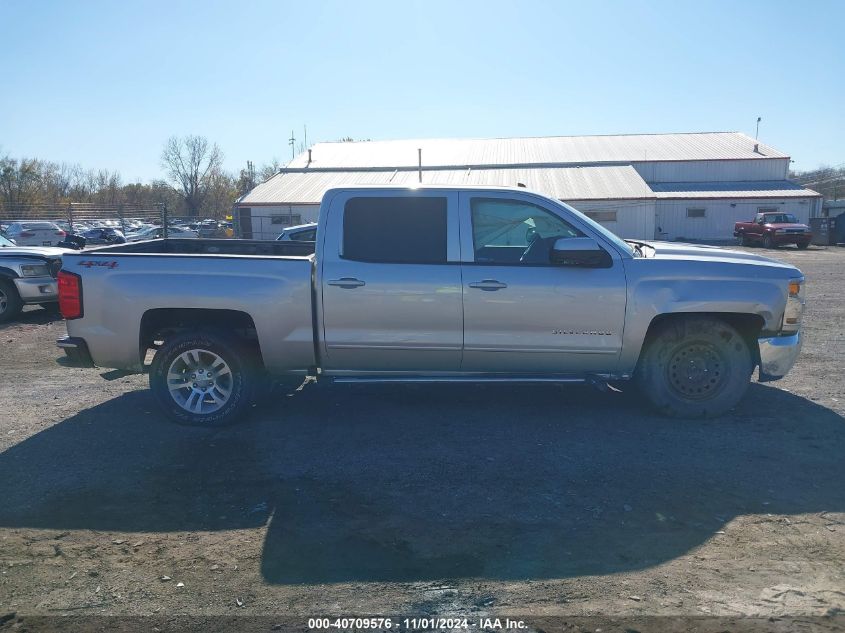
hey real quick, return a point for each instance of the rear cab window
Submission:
(396, 229)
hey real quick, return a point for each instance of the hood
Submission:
(679, 250)
(35, 251)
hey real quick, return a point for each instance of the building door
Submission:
(245, 223)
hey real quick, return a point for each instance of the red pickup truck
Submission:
(773, 229)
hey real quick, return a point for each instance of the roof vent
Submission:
(309, 156)
(520, 184)
(756, 148)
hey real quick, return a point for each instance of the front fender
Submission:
(695, 287)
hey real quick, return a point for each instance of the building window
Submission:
(696, 213)
(401, 230)
(601, 216)
(289, 219)
(767, 210)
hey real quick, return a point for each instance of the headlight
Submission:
(794, 306)
(35, 270)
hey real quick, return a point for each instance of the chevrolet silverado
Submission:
(433, 284)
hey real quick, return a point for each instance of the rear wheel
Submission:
(695, 367)
(10, 301)
(745, 241)
(203, 379)
(803, 245)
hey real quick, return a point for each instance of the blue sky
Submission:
(105, 83)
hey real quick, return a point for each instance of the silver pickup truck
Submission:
(434, 284)
(27, 276)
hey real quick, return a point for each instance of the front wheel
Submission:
(694, 367)
(768, 242)
(802, 245)
(10, 301)
(203, 379)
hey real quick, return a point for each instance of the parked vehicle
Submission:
(73, 241)
(773, 229)
(104, 235)
(34, 233)
(27, 276)
(434, 284)
(299, 233)
(209, 229)
(157, 232)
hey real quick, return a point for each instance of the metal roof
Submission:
(540, 151)
(755, 189)
(563, 183)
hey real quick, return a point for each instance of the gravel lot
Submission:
(521, 500)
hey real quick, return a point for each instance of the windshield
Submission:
(781, 218)
(610, 236)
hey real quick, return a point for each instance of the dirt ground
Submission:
(521, 501)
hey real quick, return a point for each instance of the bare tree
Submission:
(191, 164)
(269, 170)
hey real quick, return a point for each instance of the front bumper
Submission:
(76, 350)
(791, 238)
(37, 289)
(777, 355)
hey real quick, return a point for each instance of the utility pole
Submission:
(291, 142)
(757, 131)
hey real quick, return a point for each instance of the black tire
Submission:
(241, 385)
(694, 367)
(768, 242)
(745, 241)
(802, 246)
(10, 301)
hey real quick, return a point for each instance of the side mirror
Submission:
(582, 252)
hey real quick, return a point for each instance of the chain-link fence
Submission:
(76, 217)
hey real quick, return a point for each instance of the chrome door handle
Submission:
(347, 282)
(488, 284)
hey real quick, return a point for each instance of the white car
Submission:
(34, 233)
(299, 233)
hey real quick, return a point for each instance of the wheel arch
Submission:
(159, 323)
(750, 326)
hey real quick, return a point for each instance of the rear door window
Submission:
(398, 230)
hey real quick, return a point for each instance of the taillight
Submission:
(27, 234)
(70, 295)
(61, 233)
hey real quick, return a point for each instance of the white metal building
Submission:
(664, 186)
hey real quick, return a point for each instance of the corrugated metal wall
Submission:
(713, 170)
(720, 215)
(263, 225)
(634, 218)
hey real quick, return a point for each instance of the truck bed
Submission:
(191, 246)
(128, 288)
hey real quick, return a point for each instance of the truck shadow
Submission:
(405, 483)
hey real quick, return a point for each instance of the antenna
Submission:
(419, 162)
(291, 142)
(305, 135)
(757, 131)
